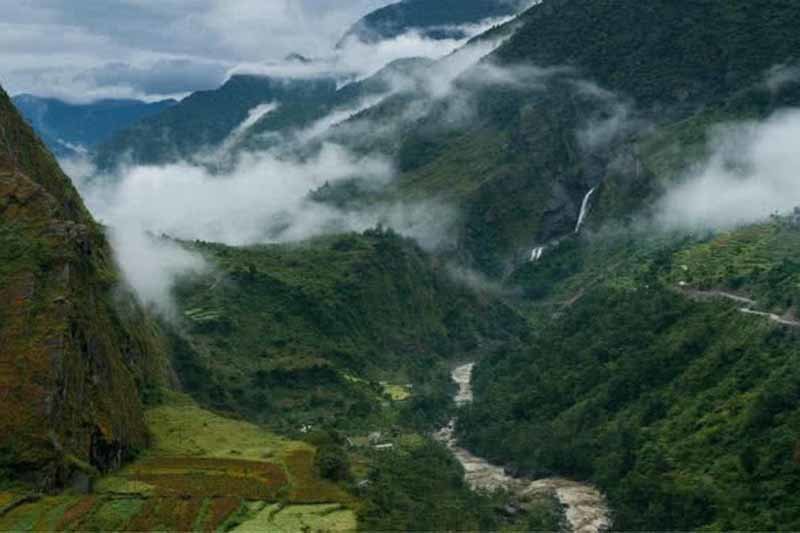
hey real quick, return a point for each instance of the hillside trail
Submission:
(697, 294)
(586, 508)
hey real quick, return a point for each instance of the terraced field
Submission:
(205, 472)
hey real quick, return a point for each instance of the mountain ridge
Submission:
(76, 354)
(71, 129)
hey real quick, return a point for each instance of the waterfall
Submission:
(584, 210)
(537, 254)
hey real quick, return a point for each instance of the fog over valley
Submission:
(399, 265)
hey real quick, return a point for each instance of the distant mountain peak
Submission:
(435, 19)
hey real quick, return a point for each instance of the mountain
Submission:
(71, 128)
(77, 354)
(205, 119)
(329, 342)
(662, 365)
(662, 372)
(521, 165)
(435, 19)
(332, 316)
(313, 122)
(617, 341)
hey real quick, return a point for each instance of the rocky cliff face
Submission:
(76, 351)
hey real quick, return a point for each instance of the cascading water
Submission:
(537, 254)
(584, 210)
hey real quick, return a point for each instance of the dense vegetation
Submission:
(422, 488)
(643, 373)
(684, 411)
(304, 333)
(519, 165)
(660, 51)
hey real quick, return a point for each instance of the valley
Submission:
(584, 506)
(407, 266)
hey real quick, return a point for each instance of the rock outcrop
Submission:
(76, 351)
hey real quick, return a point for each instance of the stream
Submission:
(585, 506)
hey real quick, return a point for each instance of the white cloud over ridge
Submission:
(85, 51)
(263, 197)
(752, 172)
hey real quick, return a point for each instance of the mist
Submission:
(263, 199)
(357, 60)
(751, 172)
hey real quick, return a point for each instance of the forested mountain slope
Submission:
(657, 373)
(205, 119)
(76, 352)
(554, 115)
(294, 334)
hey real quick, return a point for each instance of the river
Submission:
(585, 506)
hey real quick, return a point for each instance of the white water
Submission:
(584, 210)
(586, 509)
(537, 254)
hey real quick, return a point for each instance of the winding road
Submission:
(697, 294)
(586, 508)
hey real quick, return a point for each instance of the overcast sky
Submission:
(87, 49)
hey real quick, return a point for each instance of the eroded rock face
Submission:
(70, 362)
(585, 506)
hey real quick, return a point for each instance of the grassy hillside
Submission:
(207, 471)
(76, 352)
(204, 472)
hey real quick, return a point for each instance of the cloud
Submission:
(780, 76)
(151, 265)
(263, 199)
(357, 60)
(612, 119)
(751, 173)
(163, 77)
(84, 51)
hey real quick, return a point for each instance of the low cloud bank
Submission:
(752, 172)
(263, 199)
(356, 59)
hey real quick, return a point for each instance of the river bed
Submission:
(585, 506)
